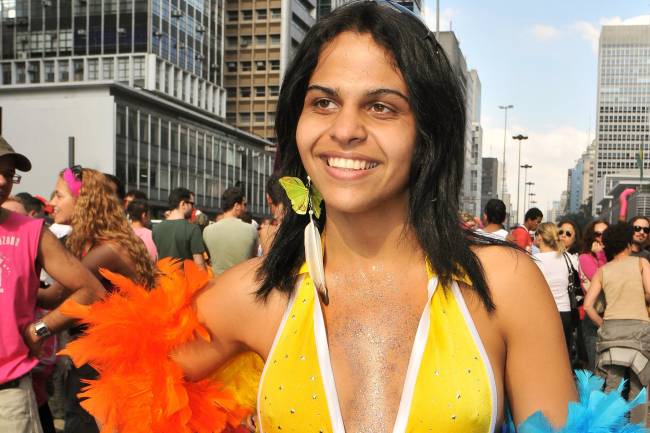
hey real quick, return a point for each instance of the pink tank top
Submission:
(19, 283)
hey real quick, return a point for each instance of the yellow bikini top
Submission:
(449, 384)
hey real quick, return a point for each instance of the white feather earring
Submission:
(314, 257)
(307, 199)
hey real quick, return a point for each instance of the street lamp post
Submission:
(530, 197)
(528, 184)
(525, 167)
(505, 128)
(519, 138)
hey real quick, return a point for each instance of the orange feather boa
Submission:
(140, 389)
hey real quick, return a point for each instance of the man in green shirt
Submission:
(176, 237)
(230, 240)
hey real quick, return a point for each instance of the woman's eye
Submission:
(380, 108)
(324, 104)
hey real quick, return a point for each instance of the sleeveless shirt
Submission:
(449, 384)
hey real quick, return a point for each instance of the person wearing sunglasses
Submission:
(641, 227)
(26, 246)
(571, 236)
(624, 327)
(592, 258)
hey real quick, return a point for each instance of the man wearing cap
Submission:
(25, 248)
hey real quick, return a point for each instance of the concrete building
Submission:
(638, 202)
(623, 122)
(150, 144)
(606, 186)
(325, 6)
(574, 187)
(490, 172)
(260, 40)
(470, 198)
(137, 86)
(554, 213)
(588, 160)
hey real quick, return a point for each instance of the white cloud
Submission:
(545, 33)
(551, 152)
(633, 21)
(447, 16)
(591, 32)
(587, 31)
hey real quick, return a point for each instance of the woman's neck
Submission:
(381, 237)
(623, 254)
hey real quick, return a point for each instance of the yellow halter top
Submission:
(449, 384)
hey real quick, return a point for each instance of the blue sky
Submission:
(542, 58)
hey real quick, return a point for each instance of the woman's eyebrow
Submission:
(379, 92)
(323, 89)
(375, 92)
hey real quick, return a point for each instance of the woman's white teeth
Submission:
(350, 164)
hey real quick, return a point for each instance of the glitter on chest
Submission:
(371, 329)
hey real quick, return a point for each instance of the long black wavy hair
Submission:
(438, 102)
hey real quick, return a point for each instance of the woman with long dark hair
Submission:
(404, 320)
(381, 137)
(591, 259)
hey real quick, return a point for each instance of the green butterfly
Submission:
(298, 193)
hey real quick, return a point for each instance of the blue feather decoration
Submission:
(596, 412)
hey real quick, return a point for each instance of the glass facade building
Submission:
(173, 47)
(157, 152)
(139, 82)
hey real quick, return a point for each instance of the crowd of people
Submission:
(89, 225)
(600, 281)
(370, 306)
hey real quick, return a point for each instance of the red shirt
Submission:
(521, 237)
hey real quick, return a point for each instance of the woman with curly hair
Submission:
(101, 238)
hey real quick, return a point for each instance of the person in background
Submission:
(138, 212)
(231, 240)
(278, 204)
(15, 204)
(33, 205)
(26, 247)
(571, 237)
(552, 261)
(176, 237)
(493, 218)
(134, 194)
(102, 239)
(116, 185)
(202, 220)
(591, 259)
(624, 330)
(641, 226)
(520, 235)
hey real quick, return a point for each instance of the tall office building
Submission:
(470, 198)
(261, 38)
(170, 47)
(129, 87)
(490, 172)
(325, 6)
(623, 101)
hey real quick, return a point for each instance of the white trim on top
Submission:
(278, 334)
(417, 352)
(479, 344)
(325, 365)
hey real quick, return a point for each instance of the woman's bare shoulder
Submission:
(230, 307)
